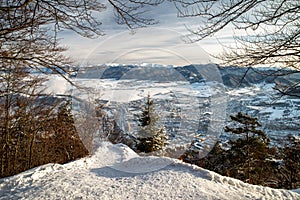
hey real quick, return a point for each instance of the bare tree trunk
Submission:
(7, 133)
(18, 143)
(31, 146)
(248, 159)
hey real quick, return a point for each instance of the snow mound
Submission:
(142, 164)
(116, 172)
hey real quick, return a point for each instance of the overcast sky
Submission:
(161, 43)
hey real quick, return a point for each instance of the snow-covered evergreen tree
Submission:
(152, 137)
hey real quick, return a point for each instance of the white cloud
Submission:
(160, 44)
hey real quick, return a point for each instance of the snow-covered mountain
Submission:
(116, 172)
(231, 76)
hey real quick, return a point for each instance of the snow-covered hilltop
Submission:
(116, 172)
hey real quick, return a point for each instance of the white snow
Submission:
(56, 85)
(116, 172)
(275, 113)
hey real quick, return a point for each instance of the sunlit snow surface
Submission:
(116, 172)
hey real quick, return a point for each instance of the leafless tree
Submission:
(35, 128)
(272, 31)
(18, 119)
(133, 12)
(28, 28)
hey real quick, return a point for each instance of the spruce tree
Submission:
(248, 154)
(151, 136)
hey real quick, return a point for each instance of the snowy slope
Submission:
(116, 172)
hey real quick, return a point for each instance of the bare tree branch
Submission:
(272, 30)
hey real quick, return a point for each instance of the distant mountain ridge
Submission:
(231, 76)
